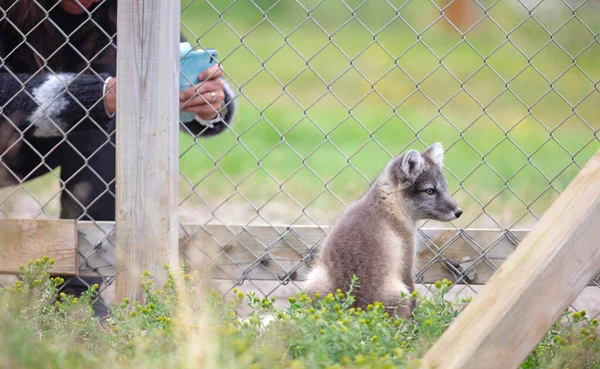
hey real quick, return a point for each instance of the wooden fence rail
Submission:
(256, 252)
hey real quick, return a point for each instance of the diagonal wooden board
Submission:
(533, 287)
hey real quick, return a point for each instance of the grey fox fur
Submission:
(375, 236)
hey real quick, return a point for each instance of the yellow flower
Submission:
(360, 360)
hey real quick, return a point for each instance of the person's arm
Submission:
(222, 120)
(47, 104)
(51, 104)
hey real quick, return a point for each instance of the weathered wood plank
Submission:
(275, 253)
(23, 240)
(147, 141)
(267, 253)
(235, 250)
(532, 288)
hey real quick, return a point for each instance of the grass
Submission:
(327, 100)
(329, 91)
(174, 328)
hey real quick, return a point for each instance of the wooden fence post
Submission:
(533, 287)
(147, 141)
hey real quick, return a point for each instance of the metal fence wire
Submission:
(327, 92)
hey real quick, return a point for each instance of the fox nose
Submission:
(458, 213)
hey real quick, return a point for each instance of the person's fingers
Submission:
(205, 111)
(206, 98)
(208, 86)
(213, 72)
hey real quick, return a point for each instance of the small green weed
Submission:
(43, 328)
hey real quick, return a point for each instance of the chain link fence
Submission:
(328, 91)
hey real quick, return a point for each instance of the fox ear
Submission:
(409, 166)
(436, 153)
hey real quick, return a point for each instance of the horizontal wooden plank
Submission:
(283, 253)
(22, 240)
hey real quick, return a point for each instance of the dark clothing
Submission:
(61, 116)
(54, 116)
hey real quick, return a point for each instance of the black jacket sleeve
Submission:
(48, 104)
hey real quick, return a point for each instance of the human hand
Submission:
(110, 99)
(206, 98)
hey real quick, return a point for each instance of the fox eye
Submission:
(430, 191)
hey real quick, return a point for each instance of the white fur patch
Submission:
(437, 153)
(396, 250)
(82, 191)
(318, 276)
(51, 103)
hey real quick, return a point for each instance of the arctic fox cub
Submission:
(375, 236)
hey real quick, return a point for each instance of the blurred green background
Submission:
(330, 90)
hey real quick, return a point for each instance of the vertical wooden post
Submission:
(533, 287)
(147, 141)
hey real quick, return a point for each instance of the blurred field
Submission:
(330, 90)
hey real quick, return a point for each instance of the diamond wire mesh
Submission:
(328, 92)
